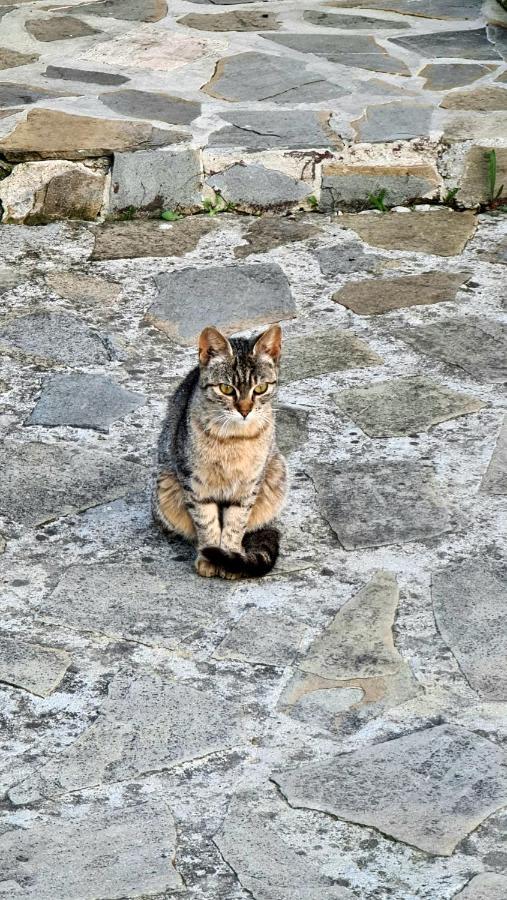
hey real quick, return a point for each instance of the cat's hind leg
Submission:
(169, 507)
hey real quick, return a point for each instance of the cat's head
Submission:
(238, 378)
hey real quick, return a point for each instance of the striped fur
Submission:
(221, 478)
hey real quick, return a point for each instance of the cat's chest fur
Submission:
(228, 469)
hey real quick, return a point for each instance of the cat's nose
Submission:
(244, 407)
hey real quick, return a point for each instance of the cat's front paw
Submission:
(205, 568)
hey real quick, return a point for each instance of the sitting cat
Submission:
(221, 478)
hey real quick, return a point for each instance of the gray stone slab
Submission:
(356, 50)
(295, 129)
(85, 76)
(403, 406)
(262, 76)
(262, 638)
(231, 297)
(291, 428)
(24, 94)
(326, 351)
(11, 59)
(131, 10)
(32, 667)
(59, 28)
(350, 187)
(431, 9)
(346, 259)
(237, 20)
(156, 179)
(486, 886)
(98, 844)
(134, 601)
(471, 44)
(406, 787)
(57, 336)
(133, 240)
(266, 232)
(444, 76)
(83, 401)
(343, 22)
(393, 121)
(359, 643)
(469, 601)
(378, 504)
(495, 479)
(482, 99)
(464, 343)
(256, 187)
(266, 865)
(146, 724)
(152, 105)
(82, 289)
(42, 482)
(442, 233)
(375, 297)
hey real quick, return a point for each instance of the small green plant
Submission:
(126, 215)
(377, 200)
(451, 196)
(312, 200)
(219, 206)
(170, 215)
(493, 192)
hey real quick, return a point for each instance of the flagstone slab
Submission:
(150, 48)
(24, 94)
(98, 847)
(345, 259)
(471, 44)
(442, 233)
(158, 606)
(252, 843)
(403, 406)
(252, 187)
(131, 10)
(469, 602)
(146, 724)
(265, 234)
(132, 240)
(495, 479)
(263, 129)
(358, 643)
(232, 297)
(53, 134)
(360, 51)
(152, 105)
(329, 350)
(11, 59)
(262, 638)
(406, 787)
(83, 289)
(344, 22)
(57, 336)
(444, 76)
(263, 76)
(291, 428)
(378, 504)
(346, 186)
(486, 886)
(32, 667)
(474, 185)
(42, 482)
(463, 343)
(375, 297)
(85, 76)
(481, 99)
(59, 28)
(431, 9)
(393, 121)
(237, 20)
(156, 180)
(50, 190)
(83, 401)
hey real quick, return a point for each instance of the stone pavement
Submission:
(336, 730)
(112, 107)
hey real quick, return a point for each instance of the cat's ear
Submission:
(212, 343)
(270, 343)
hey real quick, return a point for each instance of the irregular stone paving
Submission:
(374, 96)
(337, 730)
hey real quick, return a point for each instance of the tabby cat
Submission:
(221, 478)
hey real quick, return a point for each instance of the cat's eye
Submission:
(226, 389)
(261, 388)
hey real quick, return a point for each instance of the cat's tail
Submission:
(260, 554)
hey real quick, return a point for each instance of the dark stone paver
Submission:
(346, 258)
(265, 234)
(58, 336)
(444, 9)
(254, 186)
(464, 343)
(83, 401)
(470, 44)
(32, 667)
(347, 50)
(232, 297)
(372, 298)
(346, 187)
(262, 76)
(486, 886)
(59, 28)
(443, 233)
(444, 76)
(237, 20)
(262, 130)
(262, 639)
(131, 10)
(480, 99)
(132, 240)
(151, 105)
(380, 503)
(23, 94)
(331, 350)
(291, 428)
(87, 76)
(393, 122)
(343, 22)
(10, 59)
(148, 180)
